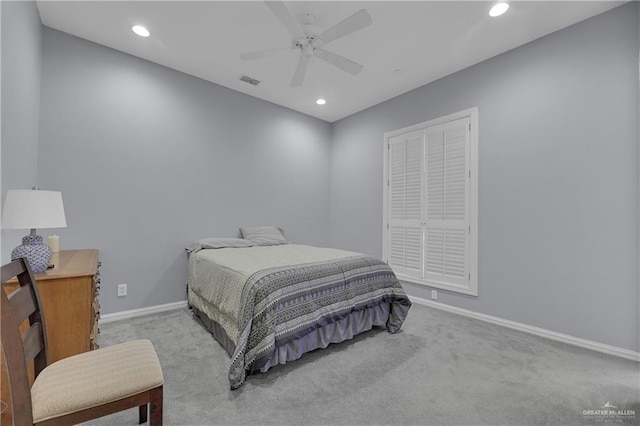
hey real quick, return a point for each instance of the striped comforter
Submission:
(281, 303)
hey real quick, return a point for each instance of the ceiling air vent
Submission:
(250, 80)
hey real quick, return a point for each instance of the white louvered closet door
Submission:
(405, 203)
(446, 207)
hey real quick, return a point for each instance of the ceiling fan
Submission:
(310, 45)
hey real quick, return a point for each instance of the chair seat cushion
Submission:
(94, 378)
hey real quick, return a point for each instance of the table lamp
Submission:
(31, 209)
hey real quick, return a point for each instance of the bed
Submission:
(269, 304)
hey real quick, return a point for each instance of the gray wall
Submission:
(21, 67)
(149, 159)
(558, 178)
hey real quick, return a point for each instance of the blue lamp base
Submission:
(37, 253)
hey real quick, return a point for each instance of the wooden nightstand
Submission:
(69, 297)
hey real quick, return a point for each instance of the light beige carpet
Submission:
(442, 369)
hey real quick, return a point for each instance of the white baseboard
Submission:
(565, 338)
(117, 316)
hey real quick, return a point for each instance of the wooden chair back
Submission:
(20, 348)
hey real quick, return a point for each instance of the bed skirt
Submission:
(337, 331)
(216, 330)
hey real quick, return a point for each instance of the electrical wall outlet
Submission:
(434, 294)
(122, 290)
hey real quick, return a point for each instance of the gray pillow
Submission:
(216, 243)
(264, 235)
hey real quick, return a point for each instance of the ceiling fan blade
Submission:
(339, 61)
(250, 56)
(301, 70)
(282, 13)
(353, 23)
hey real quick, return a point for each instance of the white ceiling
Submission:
(408, 45)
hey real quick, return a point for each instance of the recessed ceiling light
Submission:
(498, 9)
(321, 101)
(140, 30)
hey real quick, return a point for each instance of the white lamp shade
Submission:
(30, 209)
